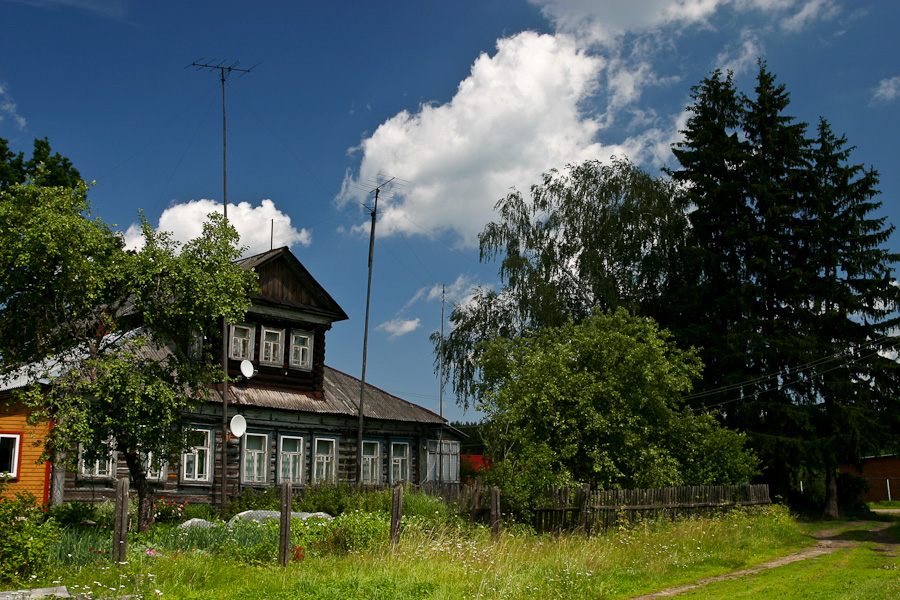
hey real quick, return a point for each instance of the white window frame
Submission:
(94, 471)
(196, 476)
(295, 356)
(159, 475)
(271, 353)
(400, 462)
(257, 458)
(371, 462)
(449, 461)
(324, 459)
(250, 342)
(289, 459)
(195, 347)
(14, 459)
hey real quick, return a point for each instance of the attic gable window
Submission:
(271, 350)
(242, 341)
(301, 349)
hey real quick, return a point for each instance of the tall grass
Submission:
(351, 557)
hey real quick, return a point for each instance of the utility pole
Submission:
(224, 72)
(441, 394)
(362, 383)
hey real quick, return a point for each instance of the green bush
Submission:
(200, 511)
(255, 499)
(169, 511)
(330, 499)
(358, 531)
(850, 488)
(25, 538)
(71, 513)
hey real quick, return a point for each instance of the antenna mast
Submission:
(224, 72)
(362, 383)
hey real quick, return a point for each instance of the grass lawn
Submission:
(848, 573)
(452, 562)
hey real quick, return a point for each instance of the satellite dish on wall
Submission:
(238, 425)
(247, 369)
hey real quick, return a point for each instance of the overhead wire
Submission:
(779, 375)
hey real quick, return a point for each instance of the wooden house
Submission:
(301, 416)
(21, 446)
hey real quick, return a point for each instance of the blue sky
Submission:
(459, 101)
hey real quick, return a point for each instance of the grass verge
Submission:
(454, 562)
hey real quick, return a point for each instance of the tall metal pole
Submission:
(225, 341)
(362, 384)
(224, 71)
(441, 394)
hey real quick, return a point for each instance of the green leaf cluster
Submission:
(25, 539)
(786, 284)
(599, 402)
(106, 336)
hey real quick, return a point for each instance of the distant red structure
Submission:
(883, 475)
(472, 466)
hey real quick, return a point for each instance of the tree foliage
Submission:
(104, 334)
(42, 168)
(595, 235)
(600, 402)
(787, 285)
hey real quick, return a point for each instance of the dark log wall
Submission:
(272, 423)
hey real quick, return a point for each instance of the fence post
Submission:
(476, 501)
(284, 540)
(396, 514)
(495, 512)
(583, 506)
(120, 526)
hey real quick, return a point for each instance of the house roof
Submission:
(284, 282)
(340, 397)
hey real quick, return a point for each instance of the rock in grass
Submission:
(266, 515)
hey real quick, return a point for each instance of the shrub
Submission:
(200, 511)
(25, 538)
(71, 513)
(359, 531)
(255, 499)
(169, 511)
(331, 499)
(850, 487)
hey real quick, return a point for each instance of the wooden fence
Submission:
(584, 509)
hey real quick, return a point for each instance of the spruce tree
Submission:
(794, 291)
(708, 299)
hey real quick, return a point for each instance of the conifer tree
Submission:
(794, 290)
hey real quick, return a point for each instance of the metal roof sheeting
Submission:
(340, 397)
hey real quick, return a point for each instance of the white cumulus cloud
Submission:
(260, 227)
(887, 90)
(515, 116)
(9, 108)
(543, 101)
(398, 327)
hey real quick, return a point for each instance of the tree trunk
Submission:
(145, 512)
(831, 492)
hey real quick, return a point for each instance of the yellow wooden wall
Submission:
(34, 477)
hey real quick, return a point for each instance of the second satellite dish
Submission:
(238, 425)
(247, 369)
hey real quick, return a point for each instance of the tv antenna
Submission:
(224, 72)
(387, 184)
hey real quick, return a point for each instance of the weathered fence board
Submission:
(581, 509)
